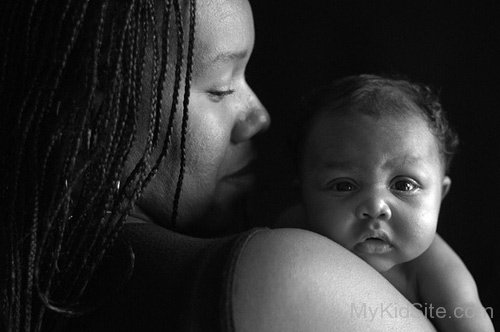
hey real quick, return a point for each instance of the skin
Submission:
(296, 280)
(376, 194)
(224, 116)
(444, 281)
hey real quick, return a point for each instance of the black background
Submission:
(453, 46)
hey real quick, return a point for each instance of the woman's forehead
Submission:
(224, 29)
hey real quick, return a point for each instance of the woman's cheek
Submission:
(210, 135)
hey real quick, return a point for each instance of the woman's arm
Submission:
(296, 280)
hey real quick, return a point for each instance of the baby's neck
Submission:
(403, 278)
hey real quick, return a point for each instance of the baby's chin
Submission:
(381, 264)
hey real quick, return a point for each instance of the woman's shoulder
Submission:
(176, 282)
(293, 279)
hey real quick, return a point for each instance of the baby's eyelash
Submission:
(342, 186)
(409, 185)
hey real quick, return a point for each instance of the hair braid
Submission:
(155, 105)
(140, 173)
(185, 114)
(115, 168)
(74, 118)
(69, 160)
(178, 68)
(175, 93)
(108, 175)
(173, 108)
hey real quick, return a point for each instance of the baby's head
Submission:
(373, 160)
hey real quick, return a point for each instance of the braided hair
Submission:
(72, 74)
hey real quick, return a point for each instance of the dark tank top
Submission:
(178, 283)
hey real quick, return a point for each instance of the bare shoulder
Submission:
(296, 280)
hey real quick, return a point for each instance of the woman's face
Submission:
(224, 116)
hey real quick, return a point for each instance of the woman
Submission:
(131, 125)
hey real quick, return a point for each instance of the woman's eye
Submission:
(218, 95)
(406, 185)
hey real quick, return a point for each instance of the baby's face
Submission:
(373, 185)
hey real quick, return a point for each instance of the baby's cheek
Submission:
(418, 234)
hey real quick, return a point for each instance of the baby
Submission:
(373, 161)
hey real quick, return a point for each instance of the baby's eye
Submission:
(342, 186)
(405, 185)
(219, 95)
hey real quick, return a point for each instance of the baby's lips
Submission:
(377, 235)
(373, 245)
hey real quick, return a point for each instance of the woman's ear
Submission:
(445, 186)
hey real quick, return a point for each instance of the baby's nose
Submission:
(374, 208)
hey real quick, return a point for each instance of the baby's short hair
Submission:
(376, 96)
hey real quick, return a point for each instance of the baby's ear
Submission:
(445, 186)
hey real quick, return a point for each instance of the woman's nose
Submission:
(253, 120)
(374, 207)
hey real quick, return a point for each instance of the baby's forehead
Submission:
(403, 137)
